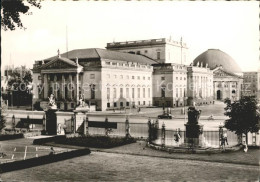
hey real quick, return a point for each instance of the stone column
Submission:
(45, 86)
(71, 86)
(63, 82)
(55, 88)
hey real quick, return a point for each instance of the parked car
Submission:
(165, 116)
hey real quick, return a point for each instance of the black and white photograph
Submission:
(129, 91)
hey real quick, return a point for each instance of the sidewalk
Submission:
(139, 148)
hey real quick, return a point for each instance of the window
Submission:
(39, 77)
(138, 52)
(148, 78)
(144, 78)
(184, 78)
(180, 78)
(138, 77)
(114, 63)
(162, 78)
(107, 63)
(127, 103)
(115, 76)
(149, 92)
(121, 76)
(121, 104)
(121, 92)
(127, 92)
(180, 92)
(145, 51)
(108, 105)
(143, 102)
(133, 92)
(163, 91)
(158, 55)
(72, 105)
(115, 104)
(114, 93)
(177, 92)
(176, 78)
(139, 103)
(108, 93)
(143, 92)
(92, 91)
(138, 92)
(92, 76)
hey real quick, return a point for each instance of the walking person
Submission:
(225, 137)
(177, 137)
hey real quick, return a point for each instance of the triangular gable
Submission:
(59, 63)
(219, 72)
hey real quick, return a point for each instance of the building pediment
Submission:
(59, 64)
(219, 72)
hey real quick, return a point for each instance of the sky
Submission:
(232, 27)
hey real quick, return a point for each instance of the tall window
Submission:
(180, 92)
(143, 92)
(92, 91)
(121, 92)
(138, 92)
(133, 93)
(149, 92)
(127, 92)
(114, 93)
(177, 92)
(163, 91)
(108, 93)
(158, 55)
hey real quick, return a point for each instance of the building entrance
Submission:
(218, 95)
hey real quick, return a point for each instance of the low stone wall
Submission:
(32, 162)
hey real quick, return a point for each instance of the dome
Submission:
(215, 58)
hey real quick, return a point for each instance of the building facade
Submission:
(106, 79)
(137, 73)
(227, 75)
(251, 84)
(164, 50)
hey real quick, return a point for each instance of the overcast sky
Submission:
(232, 27)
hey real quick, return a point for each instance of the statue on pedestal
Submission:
(193, 115)
(52, 103)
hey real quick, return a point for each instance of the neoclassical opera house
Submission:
(227, 75)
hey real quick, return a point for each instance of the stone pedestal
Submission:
(51, 122)
(80, 117)
(193, 128)
(193, 135)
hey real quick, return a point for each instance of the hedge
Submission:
(10, 136)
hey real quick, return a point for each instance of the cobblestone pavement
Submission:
(101, 166)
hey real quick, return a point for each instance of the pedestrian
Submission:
(222, 142)
(225, 137)
(177, 137)
(245, 148)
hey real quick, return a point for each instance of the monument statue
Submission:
(193, 115)
(52, 103)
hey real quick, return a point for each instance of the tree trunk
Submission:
(247, 138)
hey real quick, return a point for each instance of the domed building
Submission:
(227, 75)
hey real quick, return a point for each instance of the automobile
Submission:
(165, 116)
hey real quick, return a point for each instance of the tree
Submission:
(11, 10)
(20, 78)
(2, 115)
(243, 115)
